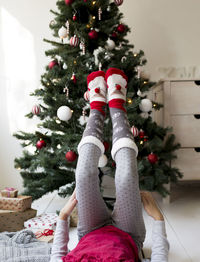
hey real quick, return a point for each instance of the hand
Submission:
(69, 206)
(150, 206)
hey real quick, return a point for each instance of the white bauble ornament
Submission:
(64, 113)
(62, 32)
(144, 115)
(110, 44)
(65, 66)
(145, 105)
(103, 160)
(83, 120)
(139, 93)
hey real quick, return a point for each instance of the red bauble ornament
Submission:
(114, 35)
(145, 138)
(74, 41)
(118, 2)
(53, 63)
(74, 17)
(141, 134)
(73, 78)
(36, 110)
(152, 158)
(93, 34)
(69, 2)
(70, 156)
(121, 28)
(106, 145)
(134, 131)
(40, 144)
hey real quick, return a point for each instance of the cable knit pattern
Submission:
(22, 246)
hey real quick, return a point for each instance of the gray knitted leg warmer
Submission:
(92, 211)
(127, 213)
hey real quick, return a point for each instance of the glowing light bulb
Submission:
(129, 100)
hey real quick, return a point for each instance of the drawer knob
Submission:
(197, 149)
(197, 82)
(197, 116)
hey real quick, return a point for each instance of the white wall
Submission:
(168, 32)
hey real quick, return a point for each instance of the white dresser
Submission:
(181, 100)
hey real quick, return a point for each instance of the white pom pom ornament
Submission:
(64, 113)
(145, 105)
(110, 44)
(62, 32)
(103, 160)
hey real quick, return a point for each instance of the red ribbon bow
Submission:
(46, 232)
(9, 188)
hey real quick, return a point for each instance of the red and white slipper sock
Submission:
(117, 88)
(122, 136)
(97, 91)
(97, 95)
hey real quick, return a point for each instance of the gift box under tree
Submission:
(20, 203)
(45, 235)
(9, 192)
(43, 221)
(12, 221)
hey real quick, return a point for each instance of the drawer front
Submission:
(185, 98)
(188, 161)
(186, 129)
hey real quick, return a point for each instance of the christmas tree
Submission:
(90, 35)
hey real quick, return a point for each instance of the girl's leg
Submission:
(92, 211)
(127, 213)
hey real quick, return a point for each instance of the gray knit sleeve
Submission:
(160, 244)
(60, 242)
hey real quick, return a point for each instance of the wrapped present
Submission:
(43, 221)
(20, 203)
(74, 217)
(9, 192)
(45, 235)
(12, 221)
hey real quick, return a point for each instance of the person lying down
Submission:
(104, 236)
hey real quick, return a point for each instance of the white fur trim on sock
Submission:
(92, 140)
(112, 92)
(98, 82)
(123, 142)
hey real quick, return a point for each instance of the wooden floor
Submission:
(182, 218)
